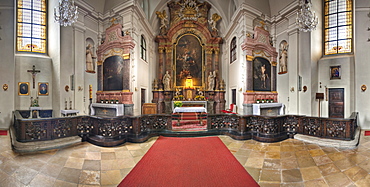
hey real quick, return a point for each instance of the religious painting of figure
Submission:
(334, 72)
(116, 73)
(43, 88)
(189, 60)
(24, 88)
(261, 74)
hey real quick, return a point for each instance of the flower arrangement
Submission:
(177, 103)
(178, 97)
(199, 97)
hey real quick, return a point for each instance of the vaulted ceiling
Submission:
(225, 7)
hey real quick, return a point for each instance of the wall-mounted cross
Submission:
(33, 71)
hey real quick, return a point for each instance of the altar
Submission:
(268, 109)
(107, 109)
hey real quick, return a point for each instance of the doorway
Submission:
(143, 91)
(336, 102)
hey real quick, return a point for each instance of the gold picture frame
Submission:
(23, 88)
(43, 88)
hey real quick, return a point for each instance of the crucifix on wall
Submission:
(33, 71)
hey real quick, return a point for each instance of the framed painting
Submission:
(189, 61)
(23, 88)
(261, 74)
(335, 72)
(43, 88)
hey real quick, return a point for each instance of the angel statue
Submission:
(213, 21)
(164, 20)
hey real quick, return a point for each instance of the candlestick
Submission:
(90, 91)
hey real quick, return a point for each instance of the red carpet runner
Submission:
(174, 162)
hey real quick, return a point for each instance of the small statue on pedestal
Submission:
(166, 81)
(35, 102)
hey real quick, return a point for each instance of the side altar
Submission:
(114, 73)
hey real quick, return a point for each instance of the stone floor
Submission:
(287, 163)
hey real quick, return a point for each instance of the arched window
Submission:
(31, 26)
(233, 50)
(338, 30)
(143, 48)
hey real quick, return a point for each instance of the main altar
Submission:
(189, 62)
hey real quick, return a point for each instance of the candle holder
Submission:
(70, 105)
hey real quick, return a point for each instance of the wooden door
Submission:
(143, 91)
(336, 102)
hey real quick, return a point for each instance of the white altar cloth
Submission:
(189, 109)
(119, 108)
(257, 107)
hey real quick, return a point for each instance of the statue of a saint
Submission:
(166, 81)
(283, 59)
(163, 17)
(90, 68)
(213, 21)
(211, 80)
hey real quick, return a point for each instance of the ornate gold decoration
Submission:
(168, 49)
(213, 21)
(99, 63)
(5, 87)
(273, 63)
(363, 88)
(250, 58)
(126, 56)
(160, 49)
(164, 21)
(188, 10)
(113, 20)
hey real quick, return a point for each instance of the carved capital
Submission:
(273, 63)
(249, 58)
(161, 49)
(168, 49)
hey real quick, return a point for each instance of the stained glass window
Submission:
(31, 26)
(233, 50)
(338, 26)
(143, 48)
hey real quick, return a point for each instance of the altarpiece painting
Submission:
(189, 60)
(261, 74)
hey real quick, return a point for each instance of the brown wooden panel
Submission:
(336, 102)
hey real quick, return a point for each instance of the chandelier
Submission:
(306, 18)
(66, 13)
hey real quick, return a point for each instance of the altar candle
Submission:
(90, 91)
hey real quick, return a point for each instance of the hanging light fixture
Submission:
(66, 13)
(306, 18)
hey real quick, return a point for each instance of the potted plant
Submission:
(117, 102)
(258, 100)
(263, 100)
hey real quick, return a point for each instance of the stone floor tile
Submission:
(69, 175)
(51, 170)
(73, 162)
(108, 155)
(42, 180)
(91, 165)
(24, 175)
(328, 169)
(270, 175)
(254, 172)
(316, 183)
(291, 175)
(89, 177)
(322, 160)
(311, 173)
(356, 173)
(112, 177)
(338, 179)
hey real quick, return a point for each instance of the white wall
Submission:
(362, 56)
(7, 65)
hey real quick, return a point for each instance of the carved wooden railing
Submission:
(117, 130)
